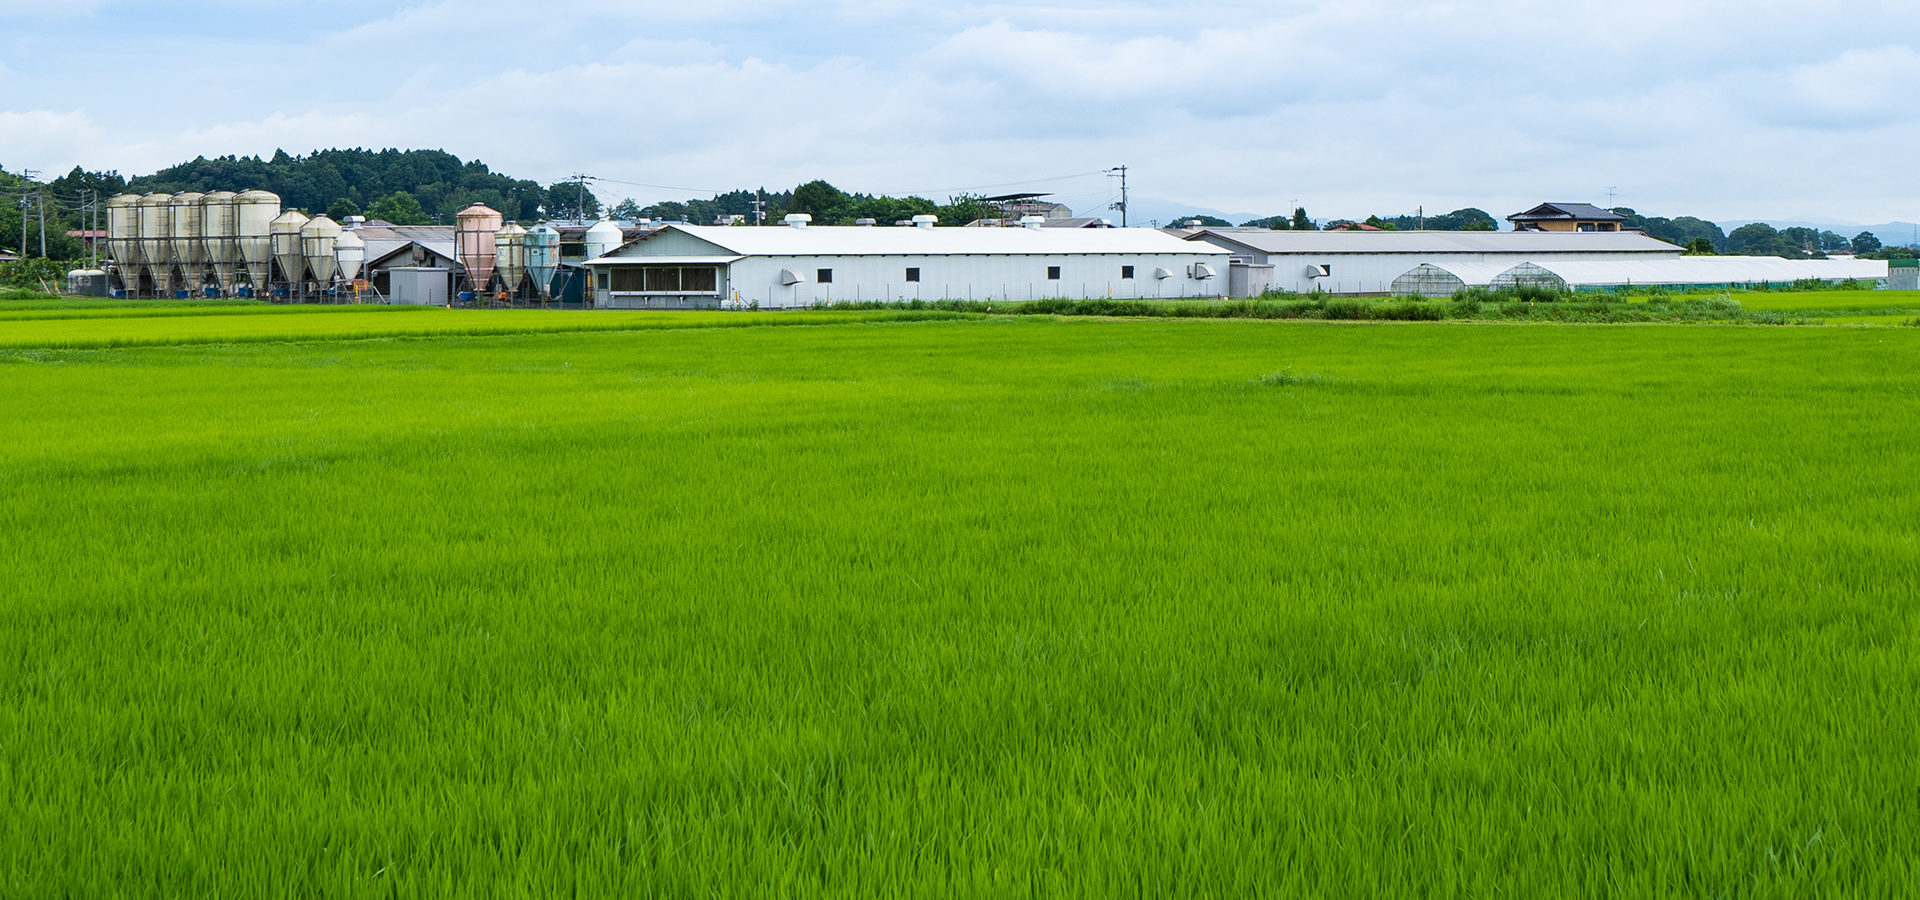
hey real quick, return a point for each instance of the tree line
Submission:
(418, 187)
(405, 187)
(826, 204)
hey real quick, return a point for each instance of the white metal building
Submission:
(1368, 262)
(1706, 271)
(705, 267)
(1442, 279)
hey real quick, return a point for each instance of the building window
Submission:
(913, 274)
(1126, 271)
(665, 279)
(662, 279)
(824, 276)
(1053, 273)
(603, 281)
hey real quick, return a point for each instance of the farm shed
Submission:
(707, 267)
(1691, 271)
(1368, 262)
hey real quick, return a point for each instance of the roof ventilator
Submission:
(798, 220)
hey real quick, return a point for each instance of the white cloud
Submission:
(1714, 108)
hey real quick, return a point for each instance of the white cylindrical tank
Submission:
(284, 233)
(318, 238)
(123, 239)
(189, 249)
(351, 251)
(543, 257)
(87, 283)
(510, 255)
(254, 212)
(603, 238)
(156, 237)
(220, 235)
(474, 246)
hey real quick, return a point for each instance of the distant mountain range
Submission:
(1900, 233)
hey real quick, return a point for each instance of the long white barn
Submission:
(798, 265)
(1367, 262)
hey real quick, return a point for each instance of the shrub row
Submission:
(1525, 304)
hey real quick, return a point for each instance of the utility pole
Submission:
(1420, 213)
(760, 206)
(583, 179)
(1120, 204)
(1610, 191)
(30, 175)
(40, 200)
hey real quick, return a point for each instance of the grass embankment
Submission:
(995, 607)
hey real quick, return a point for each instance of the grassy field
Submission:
(1798, 300)
(985, 606)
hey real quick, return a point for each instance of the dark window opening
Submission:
(824, 276)
(913, 274)
(1053, 273)
(1126, 271)
(663, 279)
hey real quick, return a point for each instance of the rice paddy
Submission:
(376, 603)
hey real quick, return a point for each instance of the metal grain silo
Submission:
(351, 251)
(156, 237)
(318, 238)
(473, 244)
(220, 235)
(510, 254)
(284, 234)
(254, 212)
(543, 257)
(186, 229)
(603, 238)
(123, 239)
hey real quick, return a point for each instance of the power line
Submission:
(982, 187)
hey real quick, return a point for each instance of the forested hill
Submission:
(440, 182)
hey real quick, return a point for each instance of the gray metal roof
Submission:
(819, 240)
(1320, 243)
(1567, 211)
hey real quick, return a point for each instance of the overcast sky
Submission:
(1734, 109)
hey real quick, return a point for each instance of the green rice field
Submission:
(1800, 300)
(529, 604)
